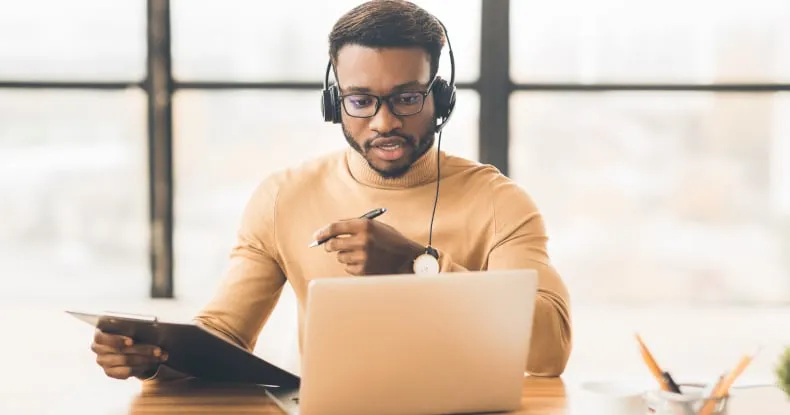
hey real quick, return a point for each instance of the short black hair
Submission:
(389, 23)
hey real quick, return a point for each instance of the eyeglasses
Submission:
(400, 103)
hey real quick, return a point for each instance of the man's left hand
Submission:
(369, 247)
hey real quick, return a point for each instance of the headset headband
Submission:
(449, 49)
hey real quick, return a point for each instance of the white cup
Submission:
(607, 398)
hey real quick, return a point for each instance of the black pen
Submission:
(373, 214)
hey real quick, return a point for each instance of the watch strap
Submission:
(432, 252)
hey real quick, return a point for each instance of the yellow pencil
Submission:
(723, 387)
(651, 363)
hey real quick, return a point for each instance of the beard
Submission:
(420, 146)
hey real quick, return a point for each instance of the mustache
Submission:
(408, 139)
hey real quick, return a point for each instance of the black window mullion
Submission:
(159, 87)
(494, 83)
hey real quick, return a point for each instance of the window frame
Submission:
(494, 87)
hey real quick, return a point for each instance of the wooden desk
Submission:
(53, 371)
(542, 396)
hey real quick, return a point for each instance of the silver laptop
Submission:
(406, 344)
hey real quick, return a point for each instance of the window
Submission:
(673, 41)
(75, 194)
(251, 40)
(93, 40)
(227, 142)
(661, 196)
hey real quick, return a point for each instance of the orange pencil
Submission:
(723, 387)
(651, 363)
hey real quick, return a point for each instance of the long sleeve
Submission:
(251, 285)
(519, 242)
(254, 279)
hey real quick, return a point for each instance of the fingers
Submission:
(122, 366)
(344, 227)
(120, 358)
(120, 372)
(111, 340)
(143, 350)
(351, 257)
(356, 270)
(111, 343)
(125, 372)
(102, 349)
(352, 243)
(112, 360)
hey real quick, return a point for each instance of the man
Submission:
(385, 56)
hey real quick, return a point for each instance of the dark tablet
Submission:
(194, 350)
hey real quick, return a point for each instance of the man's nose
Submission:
(384, 120)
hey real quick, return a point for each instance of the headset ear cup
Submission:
(336, 104)
(450, 102)
(330, 105)
(326, 105)
(440, 97)
(444, 98)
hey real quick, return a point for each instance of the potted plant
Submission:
(783, 372)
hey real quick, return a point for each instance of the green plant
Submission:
(783, 371)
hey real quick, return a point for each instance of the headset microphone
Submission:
(444, 94)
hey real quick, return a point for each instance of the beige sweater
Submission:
(483, 221)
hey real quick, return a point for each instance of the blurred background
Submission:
(654, 137)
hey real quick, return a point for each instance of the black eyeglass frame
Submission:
(388, 100)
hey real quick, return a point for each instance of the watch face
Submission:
(426, 264)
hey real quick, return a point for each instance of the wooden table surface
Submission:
(53, 371)
(542, 396)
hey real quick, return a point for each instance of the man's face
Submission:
(390, 143)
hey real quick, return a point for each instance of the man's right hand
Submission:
(121, 358)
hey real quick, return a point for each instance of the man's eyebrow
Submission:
(407, 85)
(366, 90)
(357, 89)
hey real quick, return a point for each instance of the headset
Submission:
(444, 94)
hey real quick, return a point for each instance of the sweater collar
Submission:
(423, 171)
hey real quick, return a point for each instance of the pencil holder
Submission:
(691, 402)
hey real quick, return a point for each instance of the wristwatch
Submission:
(427, 263)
